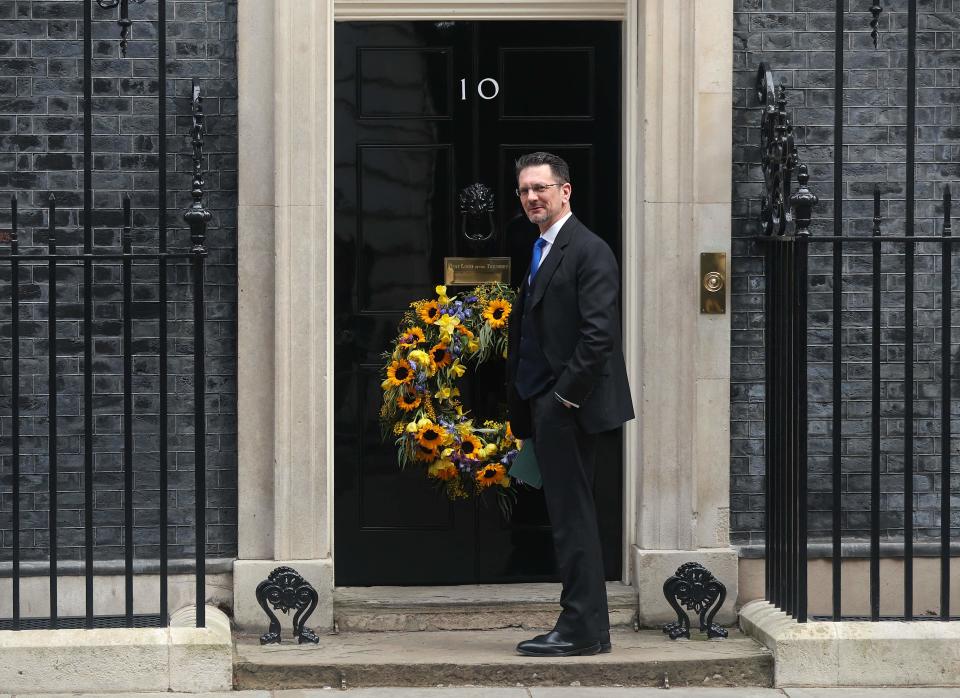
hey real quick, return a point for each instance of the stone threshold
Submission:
(855, 653)
(487, 658)
(464, 607)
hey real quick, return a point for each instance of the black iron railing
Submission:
(786, 269)
(89, 258)
(787, 251)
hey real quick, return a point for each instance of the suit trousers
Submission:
(566, 457)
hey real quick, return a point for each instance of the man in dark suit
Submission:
(567, 383)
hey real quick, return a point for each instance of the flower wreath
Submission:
(421, 405)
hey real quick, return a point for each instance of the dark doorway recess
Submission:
(412, 129)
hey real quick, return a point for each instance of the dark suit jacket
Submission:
(575, 305)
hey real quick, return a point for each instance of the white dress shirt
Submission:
(550, 234)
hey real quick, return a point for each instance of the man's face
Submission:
(545, 207)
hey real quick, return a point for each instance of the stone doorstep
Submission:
(487, 658)
(181, 657)
(853, 653)
(464, 607)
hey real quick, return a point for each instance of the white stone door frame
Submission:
(677, 92)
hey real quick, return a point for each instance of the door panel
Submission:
(402, 222)
(411, 131)
(540, 100)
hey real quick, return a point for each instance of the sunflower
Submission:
(408, 401)
(492, 474)
(399, 372)
(411, 338)
(422, 453)
(440, 353)
(497, 312)
(442, 470)
(470, 446)
(429, 311)
(431, 436)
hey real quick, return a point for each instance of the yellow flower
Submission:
(458, 369)
(431, 436)
(496, 313)
(470, 446)
(429, 311)
(408, 401)
(411, 337)
(492, 474)
(442, 470)
(422, 360)
(442, 294)
(473, 346)
(440, 353)
(412, 428)
(424, 453)
(489, 450)
(399, 372)
(446, 323)
(398, 428)
(447, 392)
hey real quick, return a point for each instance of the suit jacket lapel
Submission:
(552, 261)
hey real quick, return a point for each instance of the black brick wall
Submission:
(796, 38)
(41, 126)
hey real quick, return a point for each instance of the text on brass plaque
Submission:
(470, 271)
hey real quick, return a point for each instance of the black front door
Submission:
(424, 109)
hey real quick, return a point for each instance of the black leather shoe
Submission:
(605, 647)
(553, 644)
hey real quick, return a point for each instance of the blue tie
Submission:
(537, 255)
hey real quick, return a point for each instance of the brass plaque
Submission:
(713, 283)
(470, 271)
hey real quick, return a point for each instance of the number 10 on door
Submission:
(488, 88)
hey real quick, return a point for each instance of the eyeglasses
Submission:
(536, 189)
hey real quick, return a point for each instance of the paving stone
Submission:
(607, 692)
(459, 692)
(872, 692)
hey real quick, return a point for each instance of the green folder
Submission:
(525, 467)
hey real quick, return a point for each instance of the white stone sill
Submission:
(854, 653)
(178, 658)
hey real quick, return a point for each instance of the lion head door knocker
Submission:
(477, 204)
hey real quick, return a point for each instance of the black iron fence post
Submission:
(52, 400)
(15, 403)
(786, 275)
(197, 217)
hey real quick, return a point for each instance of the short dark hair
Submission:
(558, 166)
